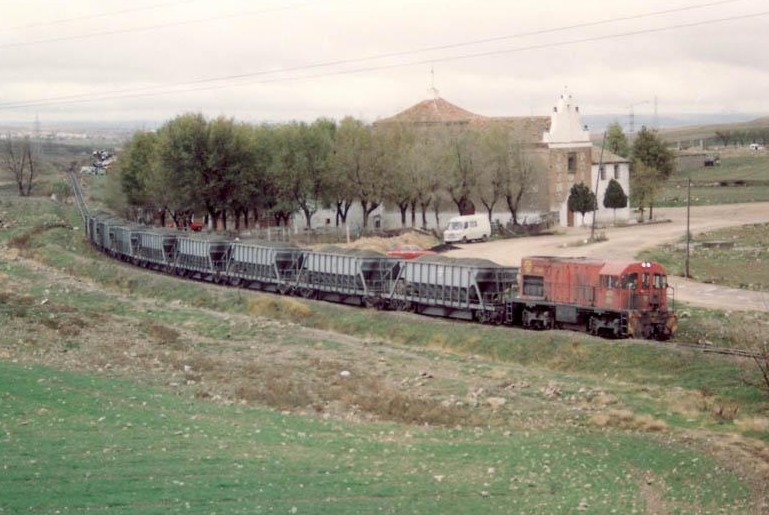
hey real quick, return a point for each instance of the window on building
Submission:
(602, 171)
(572, 166)
(616, 172)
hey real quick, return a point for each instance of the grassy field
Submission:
(123, 389)
(741, 177)
(732, 257)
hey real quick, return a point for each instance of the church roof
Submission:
(437, 111)
(433, 111)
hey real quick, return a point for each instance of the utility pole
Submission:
(688, 233)
(597, 178)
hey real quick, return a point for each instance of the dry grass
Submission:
(280, 308)
(626, 419)
(382, 245)
(756, 424)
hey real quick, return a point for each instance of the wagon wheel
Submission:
(307, 292)
(483, 316)
(402, 305)
(284, 289)
(370, 302)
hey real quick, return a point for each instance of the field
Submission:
(743, 176)
(123, 389)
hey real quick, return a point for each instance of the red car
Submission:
(408, 251)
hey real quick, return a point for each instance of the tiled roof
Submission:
(433, 111)
(608, 157)
(438, 111)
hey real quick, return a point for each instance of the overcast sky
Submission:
(279, 60)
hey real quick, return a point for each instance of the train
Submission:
(611, 299)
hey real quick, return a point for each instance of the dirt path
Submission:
(626, 242)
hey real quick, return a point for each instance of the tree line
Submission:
(238, 173)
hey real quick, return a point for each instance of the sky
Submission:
(278, 60)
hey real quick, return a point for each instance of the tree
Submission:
(21, 161)
(614, 197)
(397, 141)
(616, 140)
(302, 154)
(358, 157)
(658, 161)
(581, 199)
(463, 173)
(494, 160)
(179, 182)
(519, 180)
(725, 137)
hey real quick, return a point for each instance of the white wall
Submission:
(604, 216)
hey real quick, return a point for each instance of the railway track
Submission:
(709, 349)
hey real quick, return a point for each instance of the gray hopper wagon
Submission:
(470, 289)
(347, 275)
(271, 266)
(202, 258)
(102, 235)
(95, 228)
(156, 249)
(122, 242)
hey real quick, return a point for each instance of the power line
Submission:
(150, 27)
(94, 16)
(204, 84)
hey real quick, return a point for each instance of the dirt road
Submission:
(626, 242)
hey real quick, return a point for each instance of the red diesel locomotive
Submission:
(608, 298)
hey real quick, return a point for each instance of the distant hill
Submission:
(682, 128)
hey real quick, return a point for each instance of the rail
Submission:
(78, 192)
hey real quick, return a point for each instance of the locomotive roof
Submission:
(618, 267)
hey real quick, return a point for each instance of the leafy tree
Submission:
(725, 137)
(658, 160)
(494, 166)
(463, 169)
(397, 141)
(181, 167)
(346, 156)
(426, 157)
(358, 157)
(581, 199)
(136, 171)
(302, 154)
(616, 140)
(519, 180)
(614, 197)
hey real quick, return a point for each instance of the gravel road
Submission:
(626, 242)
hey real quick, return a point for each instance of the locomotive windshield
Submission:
(660, 281)
(630, 281)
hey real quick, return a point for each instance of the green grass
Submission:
(707, 188)
(75, 443)
(734, 257)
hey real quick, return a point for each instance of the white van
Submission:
(467, 228)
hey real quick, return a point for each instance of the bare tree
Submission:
(20, 160)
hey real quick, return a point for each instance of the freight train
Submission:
(613, 299)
